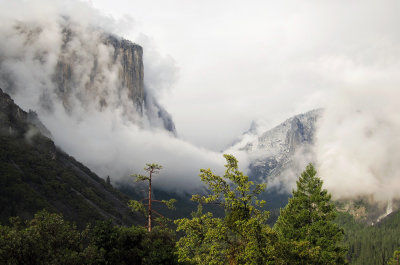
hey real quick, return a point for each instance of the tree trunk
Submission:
(149, 224)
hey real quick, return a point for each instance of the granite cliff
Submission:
(83, 67)
(127, 57)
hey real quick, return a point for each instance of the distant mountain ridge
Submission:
(278, 155)
(35, 174)
(274, 152)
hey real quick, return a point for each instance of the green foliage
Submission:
(138, 206)
(151, 168)
(140, 178)
(305, 227)
(241, 237)
(370, 244)
(134, 245)
(395, 260)
(170, 203)
(36, 176)
(46, 239)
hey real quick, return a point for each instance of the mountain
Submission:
(274, 151)
(278, 155)
(126, 56)
(82, 67)
(35, 174)
(67, 71)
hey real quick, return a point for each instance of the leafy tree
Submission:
(46, 239)
(395, 260)
(139, 206)
(133, 245)
(305, 227)
(242, 236)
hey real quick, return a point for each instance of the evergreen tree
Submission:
(305, 227)
(139, 206)
(242, 236)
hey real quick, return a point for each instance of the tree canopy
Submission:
(242, 236)
(306, 228)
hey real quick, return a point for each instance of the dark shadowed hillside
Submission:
(35, 174)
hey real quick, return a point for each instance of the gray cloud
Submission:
(236, 63)
(111, 139)
(358, 143)
(265, 60)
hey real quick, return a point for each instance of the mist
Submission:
(358, 143)
(112, 139)
(306, 58)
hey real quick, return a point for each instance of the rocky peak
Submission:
(15, 122)
(12, 118)
(272, 151)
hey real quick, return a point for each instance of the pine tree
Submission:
(305, 227)
(152, 169)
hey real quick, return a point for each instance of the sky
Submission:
(216, 66)
(239, 61)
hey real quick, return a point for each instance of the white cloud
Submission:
(358, 143)
(238, 61)
(242, 61)
(112, 139)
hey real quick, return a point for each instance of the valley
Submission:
(308, 173)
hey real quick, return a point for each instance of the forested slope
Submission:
(35, 174)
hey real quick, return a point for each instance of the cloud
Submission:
(112, 138)
(358, 143)
(230, 63)
(268, 60)
(105, 142)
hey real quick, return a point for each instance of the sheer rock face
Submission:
(125, 60)
(79, 68)
(116, 81)
(131, 74)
